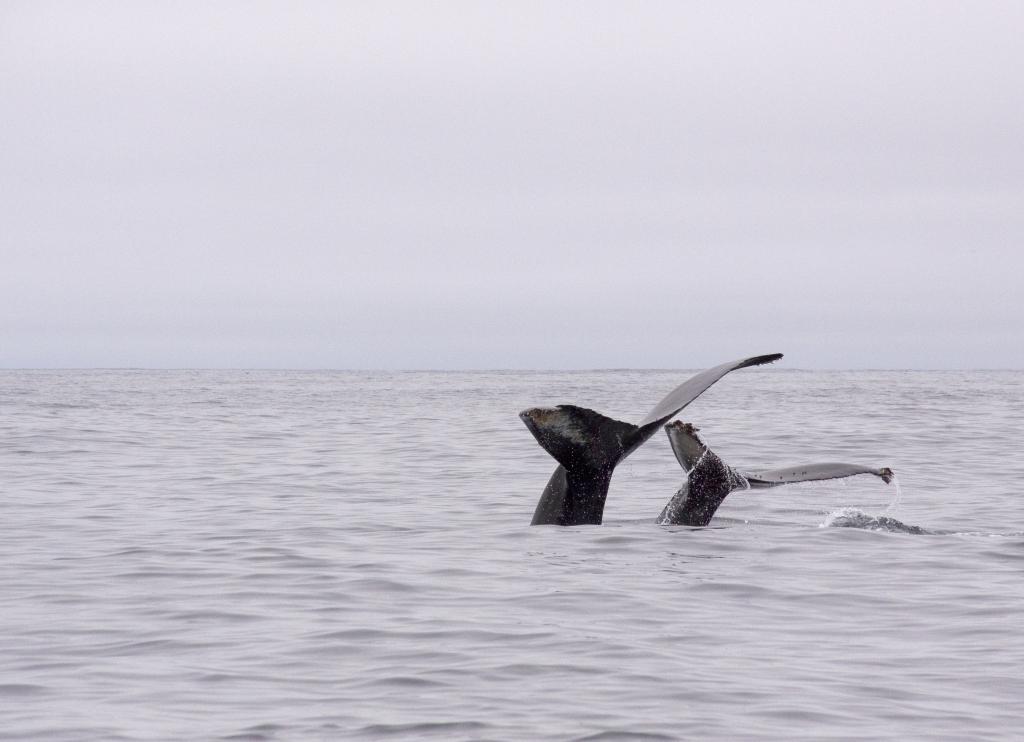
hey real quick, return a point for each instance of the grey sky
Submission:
(546, 185)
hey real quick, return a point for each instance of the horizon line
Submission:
(481, 369)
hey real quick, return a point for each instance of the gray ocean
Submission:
(276, 555)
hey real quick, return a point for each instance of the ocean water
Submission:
(270, 555)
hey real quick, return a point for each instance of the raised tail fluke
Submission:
(577, 437)
(587, 445)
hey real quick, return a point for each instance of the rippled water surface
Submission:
(319, 556)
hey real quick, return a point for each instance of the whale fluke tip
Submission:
(681, 426)
(886, 474)
(758, 360)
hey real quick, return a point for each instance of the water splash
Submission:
(897, 495)
(854, 518)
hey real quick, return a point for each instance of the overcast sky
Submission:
(511, 185)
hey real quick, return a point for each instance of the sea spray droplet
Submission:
(897, 495)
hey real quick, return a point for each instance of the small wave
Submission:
(854, 518)
(623, 734)
(438, 727)
(257, 733)
(21, 689)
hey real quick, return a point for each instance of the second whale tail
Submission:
(709, 480)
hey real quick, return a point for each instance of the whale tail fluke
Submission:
(587, 445)
(709, 480)
(690, 450)
(579, 438)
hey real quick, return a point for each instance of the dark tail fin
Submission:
(588, 445)
(579, 438)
